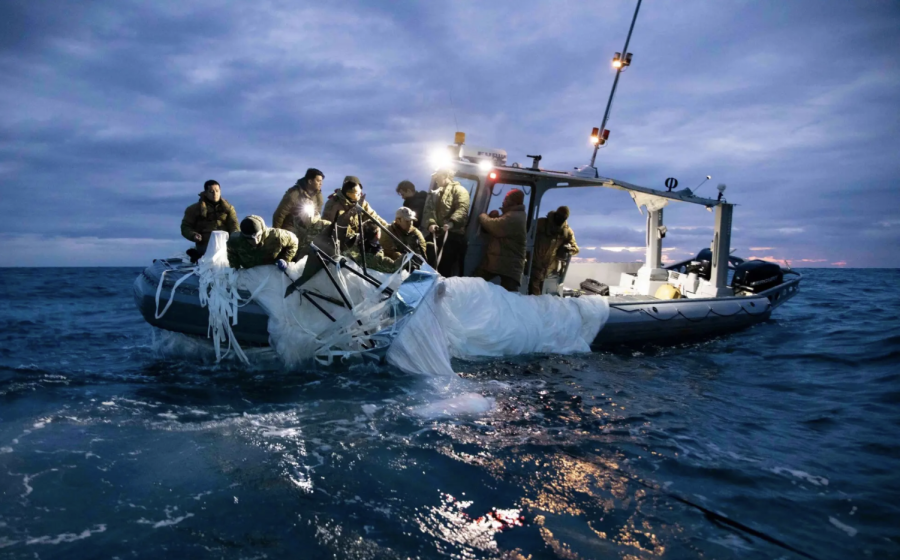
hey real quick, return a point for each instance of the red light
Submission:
(492, 175)
(605, 134)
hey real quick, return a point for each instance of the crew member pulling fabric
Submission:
(447, 210)
(554, 240)
(374, 255)
(341, 210)
(256, 245)
(504, 255)
(211, 213)
(406, 232)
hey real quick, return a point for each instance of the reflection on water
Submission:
(786, 429)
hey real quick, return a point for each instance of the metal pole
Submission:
(616, 81)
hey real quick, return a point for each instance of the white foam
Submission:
(6, 449)
(843, 527)
(468, 404)
(369, 409)
(168, 521)
(812, 479)
(67, 537)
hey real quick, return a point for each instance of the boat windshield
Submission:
(468, 183)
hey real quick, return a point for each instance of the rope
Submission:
(709, 311)
(162, 277)
(443, 244)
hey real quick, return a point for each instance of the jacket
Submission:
(416, 203)
(412, 239)
(337, 211)
(305, 236)
(205, 217)
(292, 202)
(275, 244)
(374, 261)
(549, 239)
(448, 205)
(505, 251)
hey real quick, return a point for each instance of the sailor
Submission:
(373, 253)
(447, 213)
(305, 197)
(504, 254)
(211, 213)
(406, 232)
(256, 245)
(341, 210)
(554, 241)
(413, 199)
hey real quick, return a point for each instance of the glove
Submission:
(198, 238)
(281, 264)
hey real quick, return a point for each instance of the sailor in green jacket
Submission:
(404, 230)
(340, 209)
(211, 213)
(256, 245)
(447, 211)
(553, 241)
(504, 254)
(374, 255)
(304, 198)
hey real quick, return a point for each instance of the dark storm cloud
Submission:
(114, 113)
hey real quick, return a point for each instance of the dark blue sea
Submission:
(782, 441)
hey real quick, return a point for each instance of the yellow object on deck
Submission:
(668, 292)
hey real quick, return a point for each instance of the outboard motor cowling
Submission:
(756, 276)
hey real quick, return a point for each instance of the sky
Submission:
(114, 113)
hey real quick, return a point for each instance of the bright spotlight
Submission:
(485, 165)
(441, 158)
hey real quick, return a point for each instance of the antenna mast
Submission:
(620, 61)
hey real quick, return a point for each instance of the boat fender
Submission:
(667, 291)
(593, 288)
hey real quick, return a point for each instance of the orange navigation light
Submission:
(493, 175)
(595, 136)
(459, 138)
(617, 61)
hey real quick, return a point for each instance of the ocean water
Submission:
(782, 441)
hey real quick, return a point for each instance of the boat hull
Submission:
(679, 320)
(186, 315)
(632, 320)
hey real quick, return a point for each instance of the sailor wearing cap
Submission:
(404, 230)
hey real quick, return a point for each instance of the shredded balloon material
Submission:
(462, 318)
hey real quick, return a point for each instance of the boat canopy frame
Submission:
(542, 181)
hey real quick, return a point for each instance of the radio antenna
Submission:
(620, 61)
(453, 109)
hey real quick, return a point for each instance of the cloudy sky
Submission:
(114, 113)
